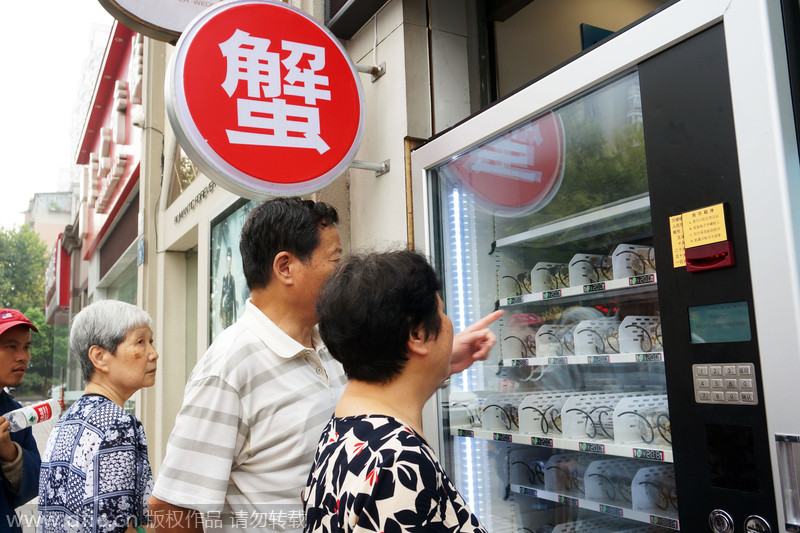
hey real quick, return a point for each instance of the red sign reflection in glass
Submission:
(517, 173)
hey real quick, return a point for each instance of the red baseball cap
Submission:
(11, 317)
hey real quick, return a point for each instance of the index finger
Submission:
(485, 321)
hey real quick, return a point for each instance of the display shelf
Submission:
(652, 453)
(613, 358)
(647, 516)
(626, 213)
(645, 281)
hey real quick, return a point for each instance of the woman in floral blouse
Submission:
(381, 317)
(95, 475)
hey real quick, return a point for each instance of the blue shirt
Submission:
(95, 473)
(30, 472)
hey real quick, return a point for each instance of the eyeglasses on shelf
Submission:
(535, 473)
(601, 343)
(615, 486)
(599, 268)
(528, 344)
(651, 422)
(510, 415)
(555, 276)
(642, 260)
(649, 337)
(662, 495)
(473, 415)
(570, 478)
(543, 417)
(590, 425)
(522, 283)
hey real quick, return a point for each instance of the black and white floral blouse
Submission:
(374, 473)
(95, 475)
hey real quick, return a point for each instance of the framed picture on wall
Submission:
(228, 286)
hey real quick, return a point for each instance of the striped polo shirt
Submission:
(244, 439)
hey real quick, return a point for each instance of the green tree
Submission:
(23, 263)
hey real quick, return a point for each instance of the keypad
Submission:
(725, 383)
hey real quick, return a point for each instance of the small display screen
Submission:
(732, 457)
(728, 322)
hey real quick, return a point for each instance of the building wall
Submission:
(546, 33)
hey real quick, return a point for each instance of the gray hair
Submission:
(105, 324)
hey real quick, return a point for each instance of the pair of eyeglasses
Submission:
(510, 415)
(661, 494)
(652, 422)
(564, 340)
(591, 425)
(472, 414)
(555, 276)
(614, 487)
(543, 417)
(528, 344)
(599, 268)
(555, 418)
(570, 479)
(642, 260)
(649, 337)
(605, 341)
(535, 473)
(522, 283)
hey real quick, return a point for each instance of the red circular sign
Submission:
(517, 172)
(264, 100)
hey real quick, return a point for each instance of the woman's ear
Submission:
(99, 358)
(417, 342)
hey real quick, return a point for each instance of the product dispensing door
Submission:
(627, 394)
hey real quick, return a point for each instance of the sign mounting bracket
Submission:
(379, 168)
(376, 71)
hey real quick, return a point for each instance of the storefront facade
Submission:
(172, 253)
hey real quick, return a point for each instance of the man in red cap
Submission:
(19, 455)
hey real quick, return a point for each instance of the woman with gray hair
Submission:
(95, 473)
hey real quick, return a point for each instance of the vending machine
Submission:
(635, 213)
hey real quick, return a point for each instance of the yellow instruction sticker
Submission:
(678, 248)
(704, 226)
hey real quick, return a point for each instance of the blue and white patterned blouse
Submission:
(374, 473)
(95, 474)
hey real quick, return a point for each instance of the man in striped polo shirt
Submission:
(256, 403)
